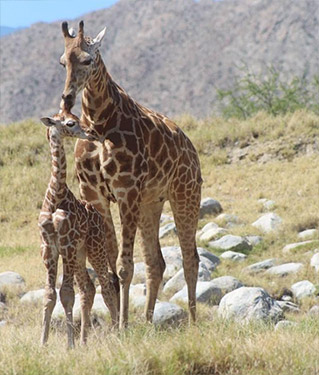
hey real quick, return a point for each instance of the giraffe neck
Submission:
(57, 188)
(102, 97)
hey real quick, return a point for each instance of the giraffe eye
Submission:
(86, 62)
(70, 123)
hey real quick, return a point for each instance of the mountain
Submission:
(170, 55)
(5, 30)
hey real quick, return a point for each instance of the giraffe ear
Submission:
(48, 121)
(98, 39)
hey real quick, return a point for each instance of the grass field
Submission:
(289, 176)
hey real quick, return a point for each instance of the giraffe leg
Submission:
(186, 211)
(50, 258)
(154, 261)
(67, 291)
(129, 215)
(107, 288)
(87, 293)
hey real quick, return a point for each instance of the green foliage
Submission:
(268, 92)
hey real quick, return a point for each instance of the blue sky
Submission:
(23, 13)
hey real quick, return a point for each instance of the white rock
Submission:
(209, 206)
(209, 265)
(226, 283)
(206, 292)
(247, 303)
(207, 254)
(34, 296)
(167, 229)
(208, 227)
(9, 278)
(261, 266)
(137, 301)
(308, 233)
(230, 242)
(165, 218)
(138, 290)
(139, 273)
(292, 246)
(284, 324)
(268, 222)
(314, 262)
(212, 234)
(303, 289)
(168, 313)
(229, 220)
(3, 323)
(233, 255)
(267, 204)
(284, 269)
(254, 240)
(170, 253)
(177, 282)
(314, 311)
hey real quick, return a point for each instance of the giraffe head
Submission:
(67, 125)
(79, 61)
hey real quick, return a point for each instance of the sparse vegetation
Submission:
(213, 346)
(268, 92)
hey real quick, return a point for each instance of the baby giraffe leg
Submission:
(87, 293)
(67, 293)
(50, 259)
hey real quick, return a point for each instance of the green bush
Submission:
(268, 92)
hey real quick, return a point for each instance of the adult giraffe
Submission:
(143, 160)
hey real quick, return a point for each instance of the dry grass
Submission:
(214, 346)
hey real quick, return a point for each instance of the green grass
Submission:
(214, 346)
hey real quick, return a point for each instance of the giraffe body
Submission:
(144, 159)
(73, 230)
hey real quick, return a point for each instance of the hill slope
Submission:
(169, 55)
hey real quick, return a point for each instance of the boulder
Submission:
(261, 266)
(284, 269)
(254, 240)
(206, 292)
(285, 324)
(207, 254)
(232, 243)
(308, 233)
(167, 229)
(228, 220)
(268, 222)
(207, 227)
(292, 246)
(177, 282)
(234, 256)
(138, 290)
(226, 284)
(212, 234)
(168, 313)
(165, 218)
(209, 265)
(209, 206)
(249, 303)
(314, 262)
(314, 311)
(34, 296)
(11, 279)
(303, 289)
(288, 306)
(139, 273)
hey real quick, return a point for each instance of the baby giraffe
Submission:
(75, 230)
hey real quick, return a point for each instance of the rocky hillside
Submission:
(169, 55)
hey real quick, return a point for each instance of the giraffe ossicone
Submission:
(74, 230)
(144, 160)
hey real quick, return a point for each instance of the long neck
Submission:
(102, 98)
(57, 187)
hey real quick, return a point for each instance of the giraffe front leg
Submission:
(124, 265)
(50, 260)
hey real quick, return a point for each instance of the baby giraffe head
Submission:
(65, 124)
